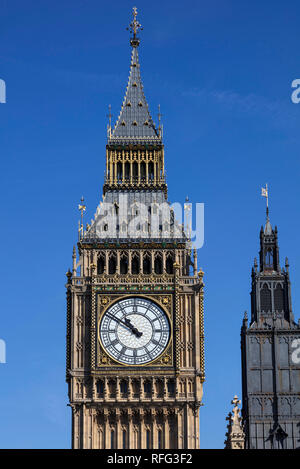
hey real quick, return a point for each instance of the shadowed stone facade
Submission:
(270, 346)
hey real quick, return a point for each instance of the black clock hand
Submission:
(134, 329)
(128, 324)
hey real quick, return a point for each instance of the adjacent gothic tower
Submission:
(271, 354)
(135, 341)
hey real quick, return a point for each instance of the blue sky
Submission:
(222, 72)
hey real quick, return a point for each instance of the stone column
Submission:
(118, 262)
(143, 429)
(106, 429)
(147, 162)
(165, 388)
(118, 430)
(180, 429)
(130, 437)
(152, 388)
(105, 391)
(129, 261)
(165, 429)
(117, 388)
(106, 262)
(154, 429)
(152, 261)
(164, 261)
(141, 388)
(139, 172)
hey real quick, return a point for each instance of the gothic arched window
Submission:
(148, 439)
(100, 387)
(147, 264)
(279, 299)
(127, 171)
(265, 299)
(123, 264)
(171, 387)
(143, 170)
(112, 265)
(269, 259)
(151, 171)
(159, 438)
(158, 265)
(124, 438)
(135, 171)
(169, 264)
(100, 265)
(147, 387)
(124, 387)
(119, 172)
(135, 265)
(112, 439)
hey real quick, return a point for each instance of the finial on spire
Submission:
(82, 209)
(109, 115)
(265, 193)
(159, 121)
(188, 221)
(134, 28)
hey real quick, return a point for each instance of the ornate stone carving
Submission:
(235, 437)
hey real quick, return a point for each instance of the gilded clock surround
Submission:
(104, 360)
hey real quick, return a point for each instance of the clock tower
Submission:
(135, 341)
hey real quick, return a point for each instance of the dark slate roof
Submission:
(134, 124)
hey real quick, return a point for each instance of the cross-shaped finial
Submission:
(236, 411)
(235, 401)
(134, 27)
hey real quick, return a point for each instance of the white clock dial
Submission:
(134, 331)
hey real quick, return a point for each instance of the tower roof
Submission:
(268, 227)
(134, 124)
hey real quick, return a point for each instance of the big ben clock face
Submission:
(134, 331)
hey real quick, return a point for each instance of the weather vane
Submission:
(265, 193)
(134, 27)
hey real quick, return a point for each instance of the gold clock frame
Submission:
(101, 359)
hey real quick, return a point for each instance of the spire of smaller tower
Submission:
(269, 250)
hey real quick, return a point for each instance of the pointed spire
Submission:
(134, 124)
